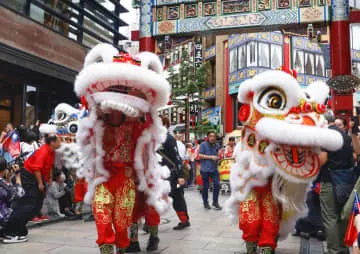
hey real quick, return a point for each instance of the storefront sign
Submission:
(198, 53)
(210, 52)
(209, 93)
(212, 117)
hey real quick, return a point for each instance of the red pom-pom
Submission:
(244, 113)
(306, 107)
(250, 95)
(321, 108)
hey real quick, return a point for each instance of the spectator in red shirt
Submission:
(36, 173)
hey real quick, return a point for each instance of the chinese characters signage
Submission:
(198, 53)
(240, 20)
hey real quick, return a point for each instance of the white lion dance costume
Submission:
(277, 157)
(66, 119)
(119, 139)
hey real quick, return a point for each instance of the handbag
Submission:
(343, 181)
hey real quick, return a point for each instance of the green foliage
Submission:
(188, 80)
(202, 129)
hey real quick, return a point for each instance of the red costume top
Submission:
(120, 151)
(42, 160)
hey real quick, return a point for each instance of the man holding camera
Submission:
(36, 173)
(10, 215)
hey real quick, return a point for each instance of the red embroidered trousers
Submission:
(142, 209)
(113, 207)
(259, 217)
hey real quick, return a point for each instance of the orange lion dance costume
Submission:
(119, 138)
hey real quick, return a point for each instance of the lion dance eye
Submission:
(272, 99)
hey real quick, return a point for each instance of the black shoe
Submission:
(206, 206)
(320, 235)
(133, 247)
(90, 218)
(146, 229)
(295, 233)
(153, 243)
(181, 225)
(304, 235)
(217, 207)
(68, 213)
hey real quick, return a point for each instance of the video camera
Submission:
(18, 161)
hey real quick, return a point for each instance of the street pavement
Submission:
(210, 232)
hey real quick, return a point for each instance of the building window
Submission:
(242, 57)
(355, 36)
(276, 56)
(257, 54)
(264, 51)
(17, 5)
(251, 54)
(356, 68)
(309, 63)
(233, 60)
(320, 65)
(235, 6)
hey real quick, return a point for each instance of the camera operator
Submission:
(12, 217)
(59, 196)
(37, 172)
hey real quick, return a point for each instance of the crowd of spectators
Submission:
(31, 189)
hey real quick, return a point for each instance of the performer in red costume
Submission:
(119, 139)
(277, 160)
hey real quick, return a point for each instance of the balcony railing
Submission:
(88, 22)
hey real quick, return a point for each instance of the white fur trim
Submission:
(107, 74)
(47, 129)
(300, 135)
(150, 61)
(264, 80)
(318, 92)
(102, 52)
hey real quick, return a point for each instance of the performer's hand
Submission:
(41, 188)
(181, 181)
